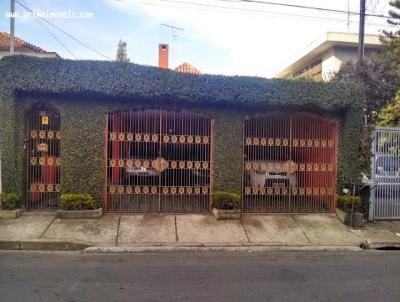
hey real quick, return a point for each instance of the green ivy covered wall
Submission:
(84, 91)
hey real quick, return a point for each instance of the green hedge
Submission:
(226, 201)
(347, 203)
(76, 202)
(9, 201)
(84, 90)
(100, 78)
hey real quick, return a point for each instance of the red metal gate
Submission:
(43, 161)
(158, 160)
(290, 163)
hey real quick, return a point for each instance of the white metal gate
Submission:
(385, 172)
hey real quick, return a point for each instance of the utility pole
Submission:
(361, 32)
(348, 16)
(12, 25)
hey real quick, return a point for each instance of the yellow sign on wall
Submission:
(45, 120)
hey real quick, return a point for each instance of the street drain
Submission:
(388, 248)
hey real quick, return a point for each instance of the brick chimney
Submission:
(163, 55)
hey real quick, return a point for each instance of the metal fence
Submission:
(385, 172)
(42, 144)
(289, 163)
(158, 160)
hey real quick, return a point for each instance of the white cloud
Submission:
(215, 40)
(255, 44)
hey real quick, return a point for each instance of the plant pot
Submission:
(226, 214)
(80, 214)
(355, 220)
(10, 214)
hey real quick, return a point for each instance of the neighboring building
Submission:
(187, 68)
(163, 58)
(324, 57)
(22, 48)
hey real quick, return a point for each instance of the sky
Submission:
(218, 36)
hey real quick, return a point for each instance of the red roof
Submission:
(187, 68)
(20, 45)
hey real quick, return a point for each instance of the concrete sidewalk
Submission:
(112, 230)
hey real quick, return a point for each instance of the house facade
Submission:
(23, 48)
(146, 139)
(323, 58)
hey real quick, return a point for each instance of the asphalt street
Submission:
(201, 276)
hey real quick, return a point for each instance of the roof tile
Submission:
(20, 45)
(187, 68)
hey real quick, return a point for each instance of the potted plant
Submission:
(9, 206)
(226, 205)
(77, 206)
(349, 210)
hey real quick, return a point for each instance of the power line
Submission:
(304, 7)
(55, 38)
(65, 33)
(217, 8)
(43, 25)
(227, 9)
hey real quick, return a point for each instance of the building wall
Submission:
(330, 64)
(9, 178)
(333, 59)
(82, 143)
(84, 90)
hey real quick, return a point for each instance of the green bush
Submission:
(226, 201)
(9, 201)
(347, 202)
(77, 202)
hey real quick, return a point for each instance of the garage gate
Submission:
(158, 160)
(289, 163)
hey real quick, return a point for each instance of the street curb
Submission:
(250, 249)
(9, 245)
(43, 245)
(381, 246)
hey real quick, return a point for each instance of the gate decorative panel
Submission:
(158, 160)
(43, 158)
(385, 195)
(289, 163)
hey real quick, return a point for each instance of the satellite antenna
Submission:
(173, 28)
(174, 33)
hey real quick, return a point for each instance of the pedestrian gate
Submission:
(42, 145)
(158, 160)
(385, 171)
(289, 163)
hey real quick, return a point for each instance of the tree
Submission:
(380, 73)
(395, 20)
(391, 42)
(122, 55)
(379, 78)
(390, 115)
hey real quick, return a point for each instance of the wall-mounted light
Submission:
(42, 113)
